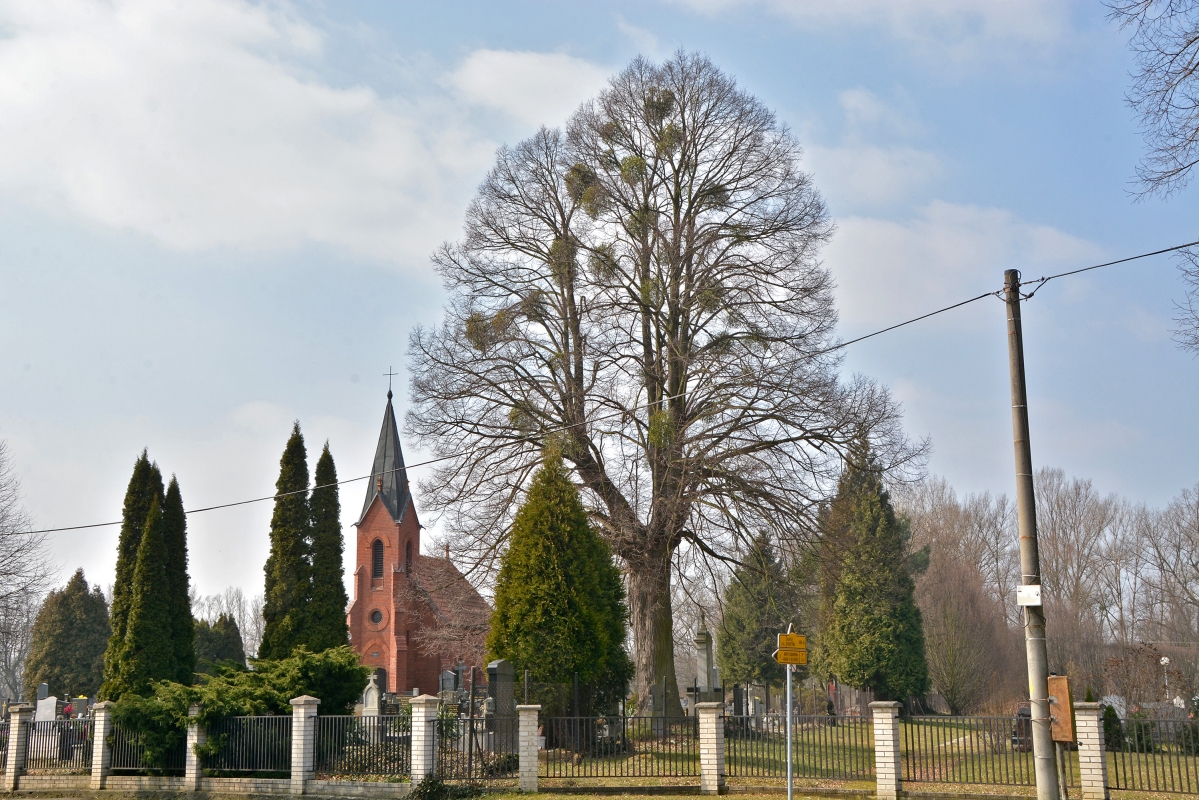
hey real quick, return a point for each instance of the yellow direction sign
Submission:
(792, 641)
(791, 655)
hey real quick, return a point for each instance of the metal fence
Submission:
(1153, 755)
(620, 747)
(59, 746)
(250, 744)
(356, 746)
(129, 757)
(3, 745)
(475, 748)
(840, 748)
(996, 750)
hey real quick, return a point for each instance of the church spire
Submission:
(389, 478)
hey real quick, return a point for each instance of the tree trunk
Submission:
(653, 636)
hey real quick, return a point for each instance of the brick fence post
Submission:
(196, 735)
(888, 782)
(711, 747)
(303, 741)
(424, 715)
(101, 752)
(20, 718)
(1092, 760)
(527, 746)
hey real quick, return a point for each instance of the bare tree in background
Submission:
(643, 295)
(232, 602)
(24, 573)
(1165, 95)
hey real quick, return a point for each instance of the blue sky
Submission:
(215, 218)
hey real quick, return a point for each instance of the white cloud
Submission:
(205, 125)
(534, 88)
(860, 175)
(958, 29)
(946, 253)
(644, 40)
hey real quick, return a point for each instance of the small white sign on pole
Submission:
(1028, 595)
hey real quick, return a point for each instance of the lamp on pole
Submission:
(1165, 662)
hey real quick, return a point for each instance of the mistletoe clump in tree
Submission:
(643, 293)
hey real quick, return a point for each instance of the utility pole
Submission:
(1045, 766)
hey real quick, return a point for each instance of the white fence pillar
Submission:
(1092, 760)
(711, 747)
(303, 741)
(886, 749)
(527, 746)
(20, 719)
(101, 752)
(196, 735)
(424, 715)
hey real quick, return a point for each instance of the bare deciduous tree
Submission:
(643, 295)
(24, 574)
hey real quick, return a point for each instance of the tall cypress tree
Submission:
(327, 609)
(149, 651)
(218, 642)
(288, 569)
(183, 627)
(559, 601)
(871, 635)
(145, 486)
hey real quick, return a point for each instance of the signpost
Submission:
(792, 650)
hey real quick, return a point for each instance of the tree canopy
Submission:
(643, 292)
(218, 643)
(288, 568)
(327, 607)
(870, 634)
(69, 637)
(759, 603)
(559, 600)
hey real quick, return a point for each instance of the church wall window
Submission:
(377, 559)
(408, 557)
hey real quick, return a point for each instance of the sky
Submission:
(216, 218)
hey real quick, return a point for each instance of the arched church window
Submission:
(377, 559)
(408, 557)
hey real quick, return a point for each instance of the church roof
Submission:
(389, 466)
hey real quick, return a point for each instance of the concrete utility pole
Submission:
(1030, 565)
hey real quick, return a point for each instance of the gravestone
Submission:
(47, 709)
(448, 678)
(43, 691)
(370, 698)
(501, 704)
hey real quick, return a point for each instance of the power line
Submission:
(806, 357)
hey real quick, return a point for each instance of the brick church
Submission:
(412, 615)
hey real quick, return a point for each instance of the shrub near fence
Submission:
(363, 747)
(239, 745)
(60, 746)
(620, 747)
(839, 748)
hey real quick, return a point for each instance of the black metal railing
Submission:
(3, 745)
(475, 748)
(59, 746)
(838, 748)
(361, 746)
(620, 747)
(994, 750)
(129, 756)
(1153, 755)
(249, 744)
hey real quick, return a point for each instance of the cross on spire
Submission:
(389, 375)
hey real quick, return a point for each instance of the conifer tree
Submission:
(288, 569)
(218, 643)
(559, 601)
(327, 609)
(145, 486)
(183, 627)
(759, 603)
(68, 641)
(149, 651)
(870, 628)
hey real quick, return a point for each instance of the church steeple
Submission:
(389, 478)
